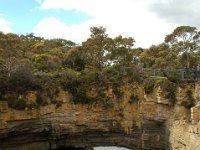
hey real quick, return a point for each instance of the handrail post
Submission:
(182, 74)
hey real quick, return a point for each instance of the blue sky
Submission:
(24, 15)
(147, 21)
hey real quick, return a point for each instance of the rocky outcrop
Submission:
(184, 128)
(148, 122)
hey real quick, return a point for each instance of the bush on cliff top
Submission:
(168, 88)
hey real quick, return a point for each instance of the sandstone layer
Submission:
(151, 122)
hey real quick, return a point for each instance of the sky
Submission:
(147, 21)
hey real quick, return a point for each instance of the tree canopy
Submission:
(28, 62)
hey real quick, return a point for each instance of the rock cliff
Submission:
(135, 120)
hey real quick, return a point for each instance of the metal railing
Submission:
(182, 74)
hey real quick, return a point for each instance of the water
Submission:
(110, 148)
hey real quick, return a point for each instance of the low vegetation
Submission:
(31, 63)
(168, 88)
(190, 101)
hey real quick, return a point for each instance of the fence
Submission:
(182, 74)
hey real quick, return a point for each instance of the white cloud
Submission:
(185, 12)
(53, 28)
(4, 26)
(125, 17)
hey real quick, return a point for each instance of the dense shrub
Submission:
(174, 75)
(112, 74)
(78, 83)
(3, 86)
(134, 98)
(190, 101)
(168, 87)
(149, 85)
(40, 100)
(15, 102)
(23, 80)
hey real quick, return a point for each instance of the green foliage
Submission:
(102, 98)
(94, 48)
(112, 74)
(78, 84)
(133, 74)
(28, 62)
(20, 104)
(134, 98)
(68, 79)
(184, 39)
(159, 56)
(23, 80)
(17, 103)
(46, 62)
(116, 73)
(40, 100)
(74, 59)
(168, 88)
(149, 85)
(121, 51)
(173, 75)
(190, 101)
(3, 85)
(117, 91)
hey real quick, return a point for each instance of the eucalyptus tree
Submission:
(184, 39)
(159, 56)
(95, 47)
(101, 50)
(122, 51)
(10, 52)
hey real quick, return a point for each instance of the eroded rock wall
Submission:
(185, 128)
(151, 122)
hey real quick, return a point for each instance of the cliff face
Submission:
(135, 120)
(185, 128)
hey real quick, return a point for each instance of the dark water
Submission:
(110, 148)
(96, 148)
(69, 148)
